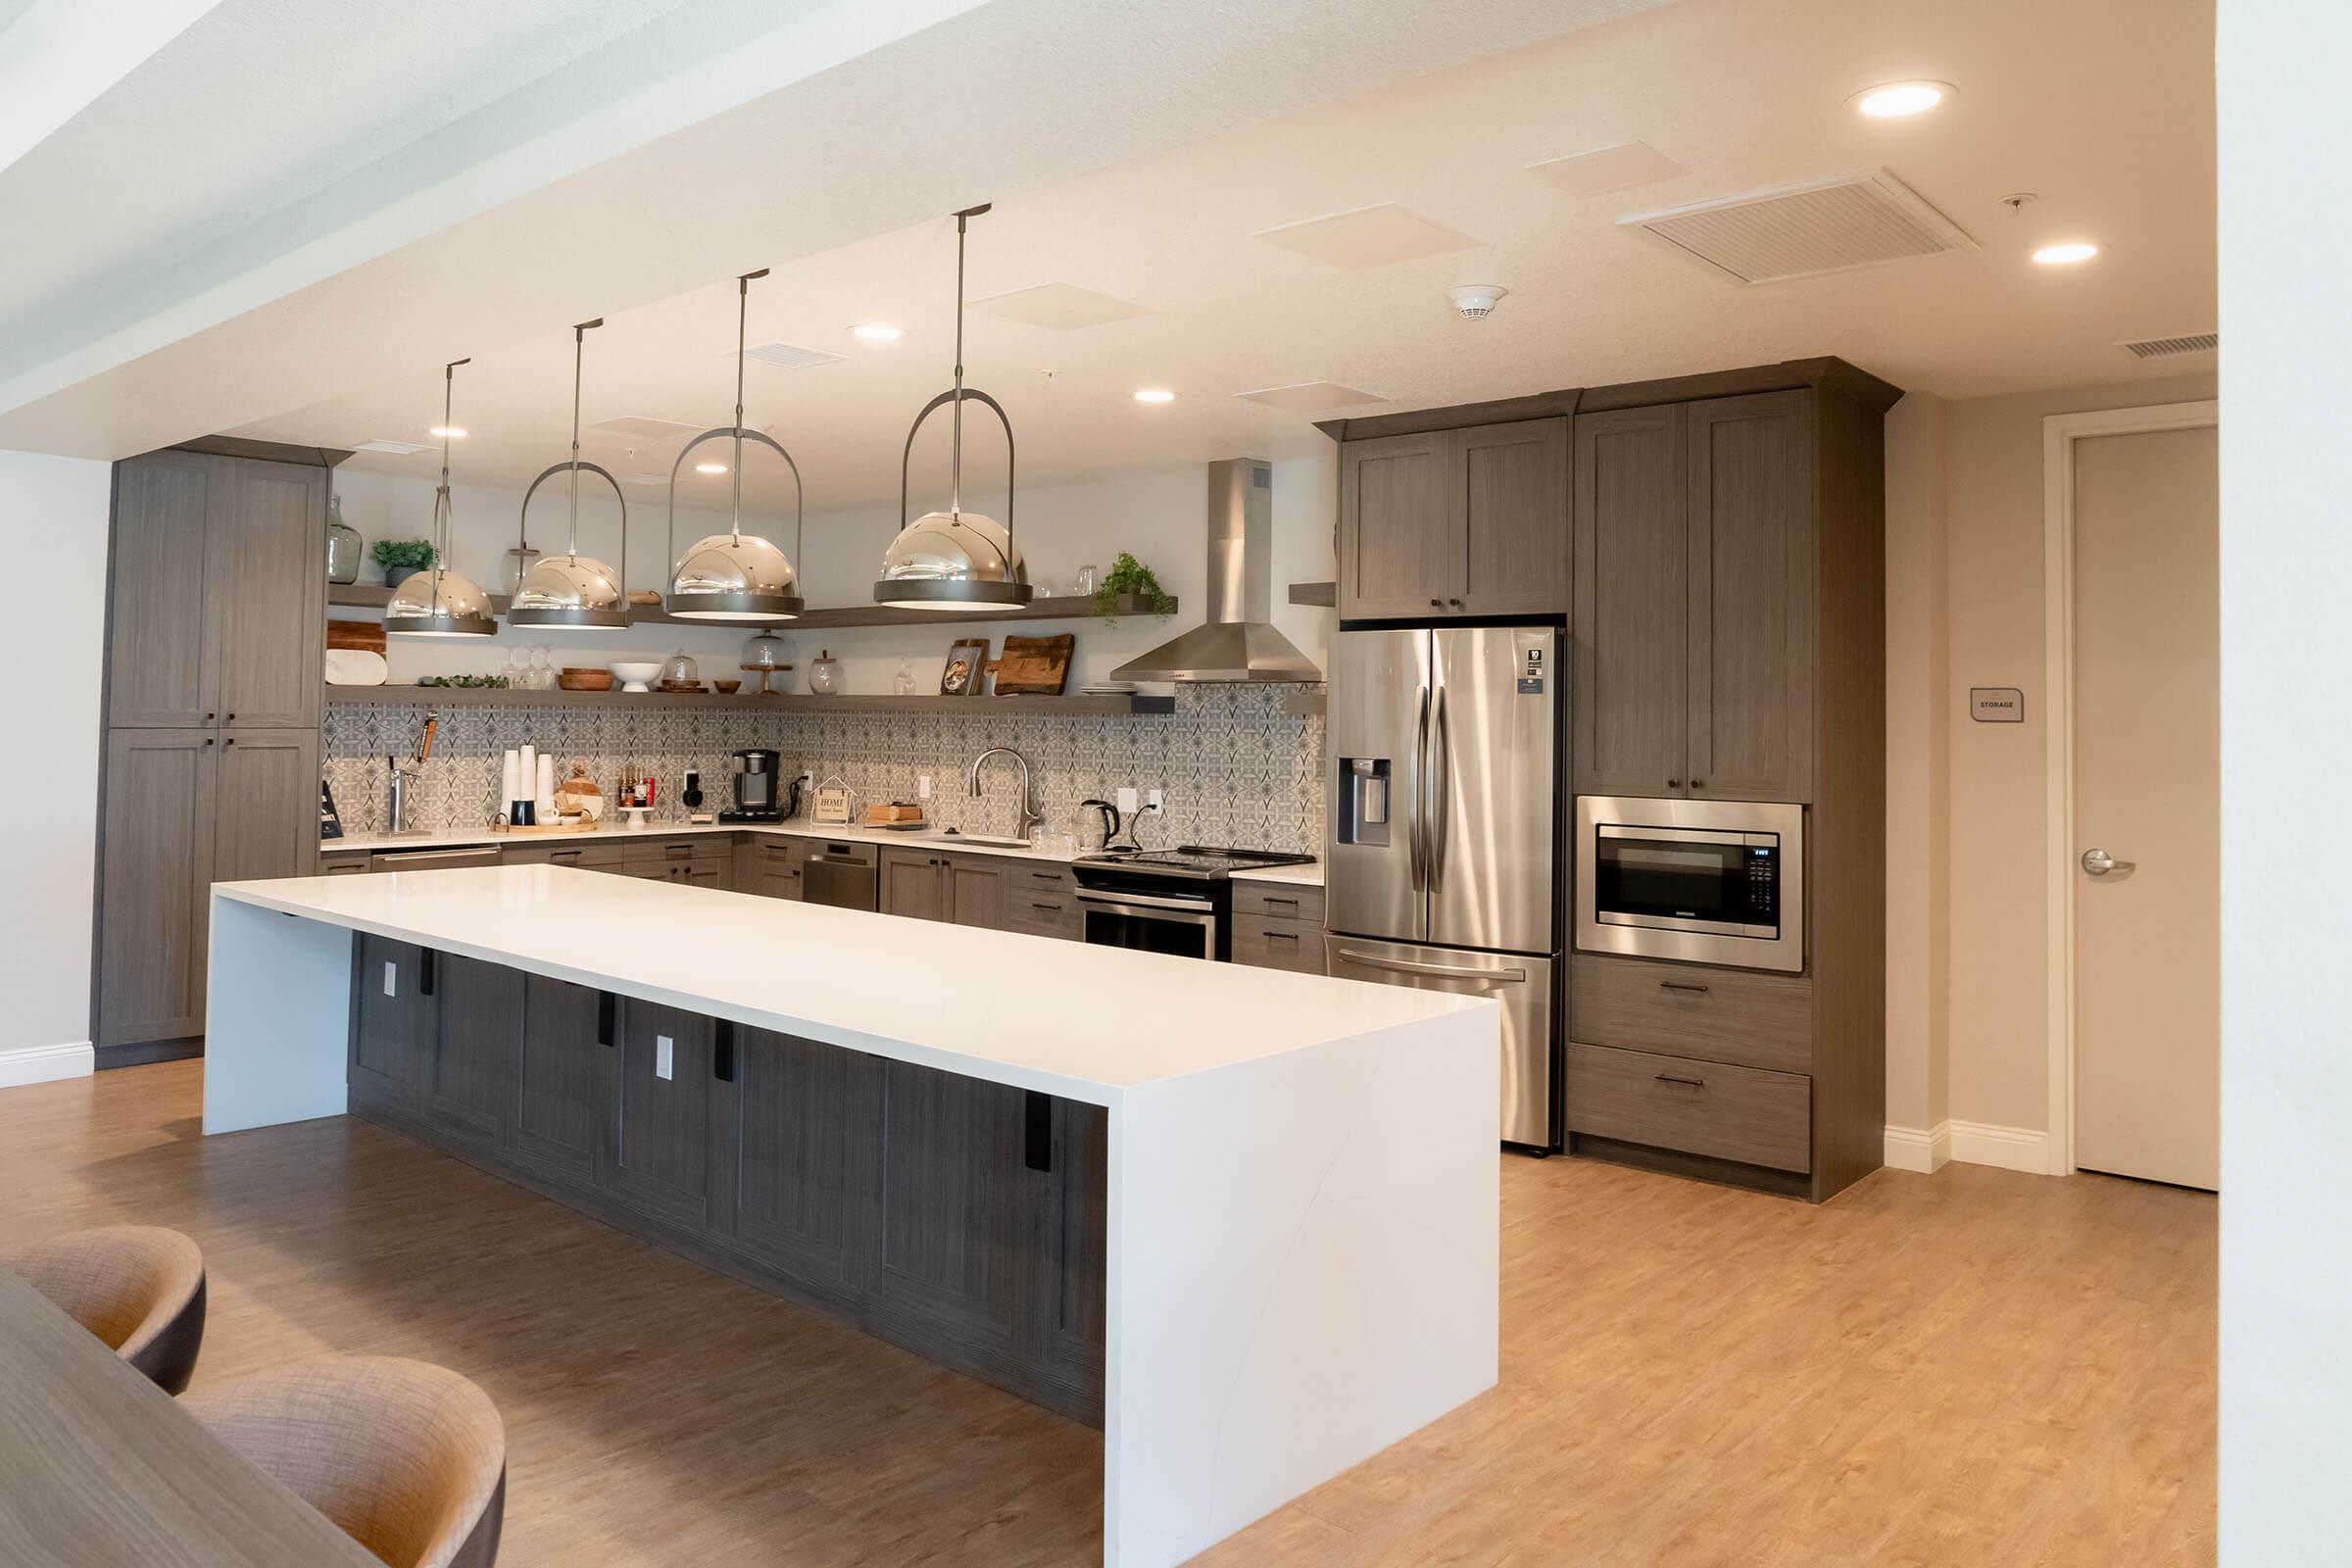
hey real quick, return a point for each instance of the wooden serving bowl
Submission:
(728, 688)
(575, 680)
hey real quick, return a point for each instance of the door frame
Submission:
(2059, 433)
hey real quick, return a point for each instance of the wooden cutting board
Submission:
(1035, 666)
(367, 636)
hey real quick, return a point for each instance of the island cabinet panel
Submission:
(658, 1154)
(478, 1046)
(564, 1091)
(1073, 1260)
(951, 1215)
(390, 1047)
(801, 1164)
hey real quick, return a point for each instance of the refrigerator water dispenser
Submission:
(1363, 800)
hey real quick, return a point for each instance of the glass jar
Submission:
(1082, 586)
(342, 544)
(903, 681)
(763, 652)
(825, 674)
(680, 671)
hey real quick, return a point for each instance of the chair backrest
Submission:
(408, 1458)
(123, 1283)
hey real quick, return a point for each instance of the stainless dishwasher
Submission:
(846, 875)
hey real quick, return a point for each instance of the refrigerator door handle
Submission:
(1419, 839)
(1445, 972)
(1440, 794)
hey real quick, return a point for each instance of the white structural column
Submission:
(1304, 1269)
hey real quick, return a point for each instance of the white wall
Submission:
(1162, 517)
(53, 524)
(2286, 755)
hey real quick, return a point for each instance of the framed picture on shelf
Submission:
(966, 668)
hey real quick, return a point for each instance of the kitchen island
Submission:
(1257, 1209)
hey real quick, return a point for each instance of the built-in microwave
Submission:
(1700, 881)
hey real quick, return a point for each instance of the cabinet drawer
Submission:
(433, 860)
(587, 857)
(1277, 944)
(351, 863)
(1050, 879)
(1701, 1108)
(1736, 1015)
(704, 847)
(1042, 913)
(1283, 900)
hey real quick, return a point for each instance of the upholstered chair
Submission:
(409, 1459)
(138, 1287)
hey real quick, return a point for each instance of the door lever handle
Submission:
(2098, 862)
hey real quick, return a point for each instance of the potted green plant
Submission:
(402, 558)
(1130, 576)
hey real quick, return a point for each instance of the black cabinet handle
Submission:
(1437, 604)
(1674, 783)
(231, 741)
(230, 719)
(603, 1018)
(1036, 1130)
(722, 1050)
(1698, 783)
(208, 740)
(1455, 603)
(1049, 908)
(1681, 985)
(428, 969)
(1044, 876)
(1669, 1078)
(207, 718)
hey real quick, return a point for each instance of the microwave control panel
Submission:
(1763, 881)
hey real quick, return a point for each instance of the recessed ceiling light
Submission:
(709, 468)
(1896, 99)
(446, 431)
(2063, 254)
(1154, 394)
(878, 332)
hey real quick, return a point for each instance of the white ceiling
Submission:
(1149, 179)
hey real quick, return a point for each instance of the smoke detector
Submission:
(1476, 300)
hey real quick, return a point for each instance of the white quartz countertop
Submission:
(1307, 876)
(1079, 1022)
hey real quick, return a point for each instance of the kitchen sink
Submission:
(992, 840)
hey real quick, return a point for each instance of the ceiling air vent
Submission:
(789, 356)
(2159, 348)
(642, 424)
(1823, 225)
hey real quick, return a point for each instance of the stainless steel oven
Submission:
(1186, 924)
(1701, 881)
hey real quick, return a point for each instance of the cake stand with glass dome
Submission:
(764, 656)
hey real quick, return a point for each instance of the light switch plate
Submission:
(664, 1050)
(391, 979)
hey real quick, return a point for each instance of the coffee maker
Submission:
(755, 777)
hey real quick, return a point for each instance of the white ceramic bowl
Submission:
(636, 675)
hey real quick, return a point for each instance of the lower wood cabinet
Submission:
(1711, 1108)
(960, 1219)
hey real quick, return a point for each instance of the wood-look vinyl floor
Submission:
(1971, 1368)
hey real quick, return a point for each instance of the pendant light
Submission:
(440, 600)
(574, 591)
(954, 560)
(734, 575)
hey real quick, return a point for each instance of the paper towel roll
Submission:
(547, 788)
(510, 779)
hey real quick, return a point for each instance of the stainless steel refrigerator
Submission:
(1442, 848)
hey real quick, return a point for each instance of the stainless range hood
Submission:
(1240, 642)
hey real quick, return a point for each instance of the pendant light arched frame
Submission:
(954, 560)
(573, 592)
(734, 577)
(450, 604)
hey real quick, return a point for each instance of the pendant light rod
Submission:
(444, 508)
(743, 312)
(579, 350)
(956, 445)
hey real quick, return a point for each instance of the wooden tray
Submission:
(544, 832)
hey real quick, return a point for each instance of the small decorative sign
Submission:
(1996, 705)
(832, 805)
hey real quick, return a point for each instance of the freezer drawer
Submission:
(1524, 986)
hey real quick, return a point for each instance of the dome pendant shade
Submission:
(734, 575)
(441, 601)
(571, 591)
(954, 560)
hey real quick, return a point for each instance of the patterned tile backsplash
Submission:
(1237, 767)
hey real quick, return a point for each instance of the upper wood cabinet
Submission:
(1694, 606)
(1468, 522)
(219, 593)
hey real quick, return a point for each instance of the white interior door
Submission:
(2147, 799)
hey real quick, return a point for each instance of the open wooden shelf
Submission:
(1073, 707)
(375, 595)
(1326, 594)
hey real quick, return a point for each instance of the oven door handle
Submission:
(1444, 971)
(1147, 901)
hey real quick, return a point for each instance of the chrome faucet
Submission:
(1031, 817)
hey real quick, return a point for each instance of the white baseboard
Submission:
(1924, 1150)
(1972, 1143)
(40, 1064)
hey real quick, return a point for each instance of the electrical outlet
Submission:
(922, 786)
(1154, 802)
(391, 979)
(665, 1049)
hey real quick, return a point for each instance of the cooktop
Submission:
(1193, 860)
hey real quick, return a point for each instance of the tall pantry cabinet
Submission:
(217, 622)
